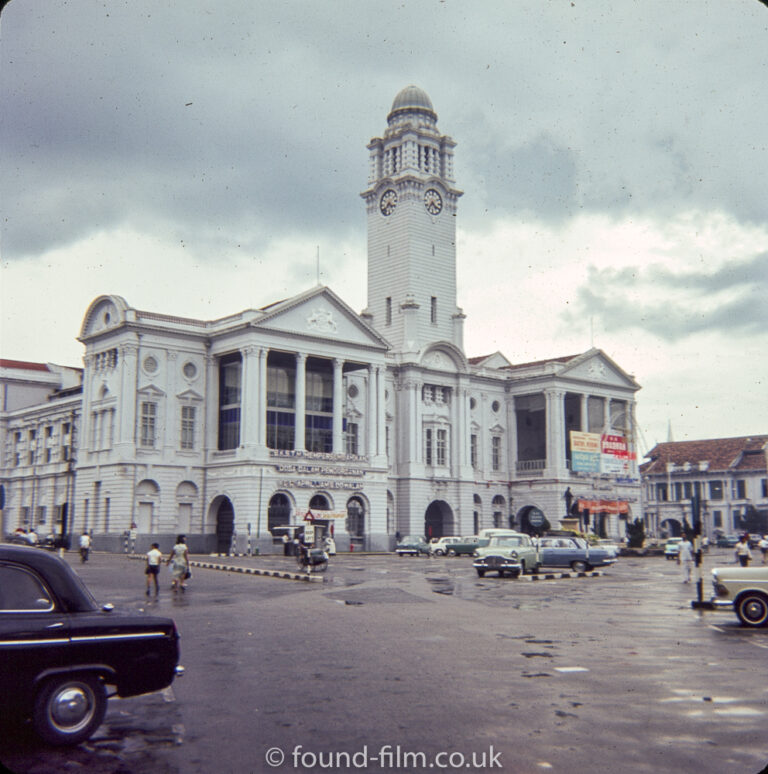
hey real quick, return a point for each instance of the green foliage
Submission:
(635, 533)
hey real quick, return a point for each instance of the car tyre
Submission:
(579, 566)
(439, 552)
(480, 573)
(451, 552)
(68, 709)
(752, 610)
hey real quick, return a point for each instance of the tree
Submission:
(635, 533)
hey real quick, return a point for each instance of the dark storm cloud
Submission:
(239, 123)
(730, 299)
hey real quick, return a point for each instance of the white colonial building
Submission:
(372, 424)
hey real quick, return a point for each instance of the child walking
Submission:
(154, 557)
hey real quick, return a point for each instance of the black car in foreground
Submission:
(60, 651)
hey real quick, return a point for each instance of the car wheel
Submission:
(69, 709)
(439, 552)
(515, 574)
(579, 566)
(752, 609)
(480, 573)
(451, 552)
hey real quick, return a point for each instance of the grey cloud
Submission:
(610, 295)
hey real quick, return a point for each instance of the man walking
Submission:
(743, 554)
(685, 558)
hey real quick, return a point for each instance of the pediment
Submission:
(104, 313)
(596, 367)
(189, 395)
(496, 360)
(320, 313)
(151, 391)
(444, 356)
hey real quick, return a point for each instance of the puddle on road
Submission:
(442, 585)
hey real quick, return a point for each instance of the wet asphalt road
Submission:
(420, 657)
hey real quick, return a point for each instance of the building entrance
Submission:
(225, 526)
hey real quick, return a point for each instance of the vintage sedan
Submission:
(572, 552)
(743, 590)
(412, 545)
(672, 547)
(512, 553)
(59, 651)
(440, 546)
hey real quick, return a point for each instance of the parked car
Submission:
(464, 545)
(59, 650)
(572, 552)
(440, 546)
(672, 547)
(614, 549)
(726, 541)
(412, 545)
(485, 535)
(744, 590)
(512, 553)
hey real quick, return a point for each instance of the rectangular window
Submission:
(187, 427)
(678, 490)
(230, 375)
(740, 489)
(442, 445)
(280, 429)
(496, 452)
(148, 424)
(106, 514)
(319, 433)
(715, 490)
(428, 447)
(688, 490)
(661, 493)
(388, 311)
(764, 487)
(32, 447)
(351, 438)
(473, 450)
(433, 310)
(717, 519)
(387, 439)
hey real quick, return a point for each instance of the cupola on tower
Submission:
(411, 209)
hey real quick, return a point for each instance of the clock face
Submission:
(433, 201)
(388, 202)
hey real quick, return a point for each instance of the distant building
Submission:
(729, 475)
(370, 424)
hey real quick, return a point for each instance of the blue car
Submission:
(572, 552)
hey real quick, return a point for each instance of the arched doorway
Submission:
(438, 520)
(671, 528)
(225, 526)
(356, 522)
(278, 514)
(532, 520)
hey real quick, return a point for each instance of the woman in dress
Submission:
(179, 563)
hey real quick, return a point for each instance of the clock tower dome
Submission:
(411, 208)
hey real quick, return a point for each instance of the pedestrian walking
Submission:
(286, 544)
(178, 560)
(152, 570)
(743, 554)
(85, 547)
(763, 546)
(685, 558)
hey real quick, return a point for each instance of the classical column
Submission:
(584, 413)
(262, 398)
(371, 413)
(381, 416)
(249, 413)
(126, 433)
(606, 415)
(338, 386)
(299, 441)
(172, 434)
(211, 426)
(555, 429)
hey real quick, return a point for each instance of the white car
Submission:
(745, 590)
(672, 547)
(440, 546)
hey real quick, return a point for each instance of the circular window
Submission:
(495, 406)
(352, 391)
(472, 403)
(150, 364)
(190, 370)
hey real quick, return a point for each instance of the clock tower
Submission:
(411, 208)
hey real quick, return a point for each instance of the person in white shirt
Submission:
(685, 558)
(154, 557)
(763, 546)
(85, 546)
(743, 554)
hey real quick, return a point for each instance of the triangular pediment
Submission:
(320, 313)
(151, 391)
(496, 360)
(189, 395)
(596, 367)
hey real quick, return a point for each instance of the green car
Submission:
(511, 553)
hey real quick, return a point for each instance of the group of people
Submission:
(178, 561)
(743, 554)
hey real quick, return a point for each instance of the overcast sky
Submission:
(192, 157)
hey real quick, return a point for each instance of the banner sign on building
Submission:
(596, 453)
(604, 506)
(585, 452)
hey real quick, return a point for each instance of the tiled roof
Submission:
(743, 453)
(563, 359)
(23, 365)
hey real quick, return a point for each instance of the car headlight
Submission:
(513, 554)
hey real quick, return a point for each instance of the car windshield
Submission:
(412, 539)
(507, 541)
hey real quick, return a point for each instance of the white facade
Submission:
(192, 426)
